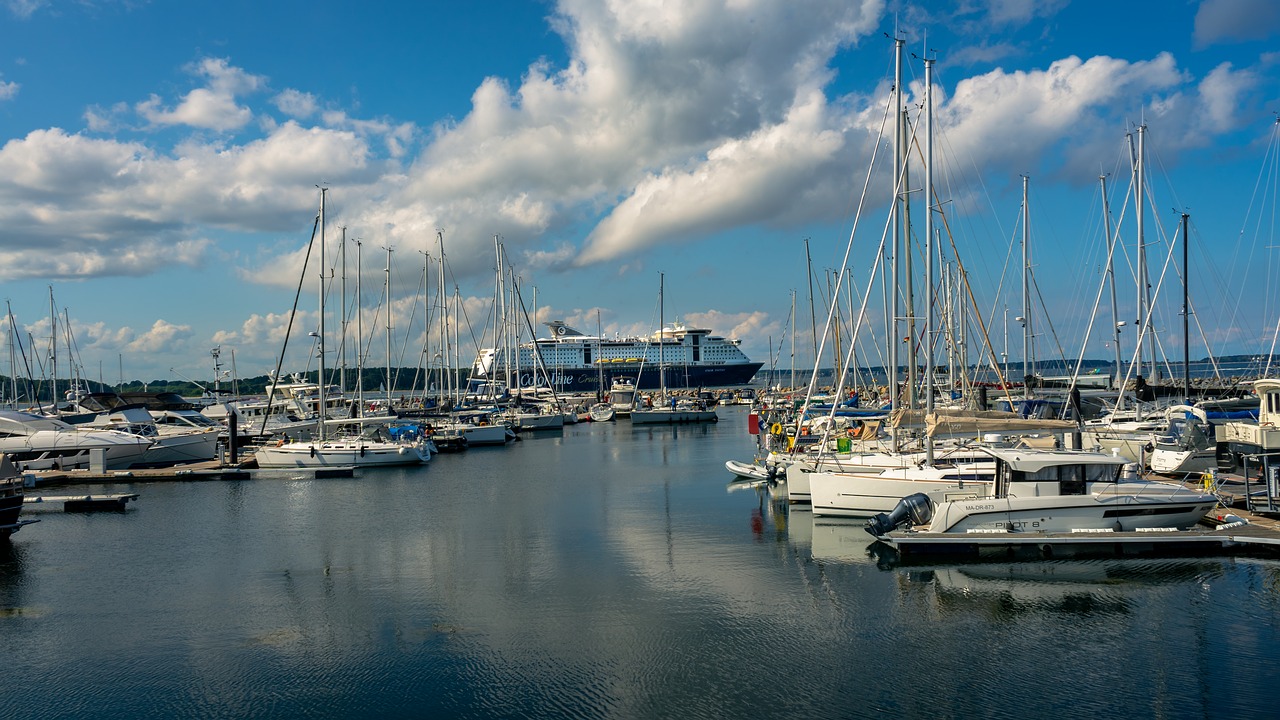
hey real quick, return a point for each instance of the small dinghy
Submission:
(601, 412)
(747, 471)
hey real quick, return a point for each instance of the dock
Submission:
(211, 470)
(83, 503)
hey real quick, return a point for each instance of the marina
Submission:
(600, 571)
(716, 360)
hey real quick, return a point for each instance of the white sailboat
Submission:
(321, 451)
(669, 410)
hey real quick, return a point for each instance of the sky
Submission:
(160, 164)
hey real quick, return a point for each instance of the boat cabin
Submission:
(1041, 473)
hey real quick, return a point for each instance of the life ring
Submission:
(775, 429)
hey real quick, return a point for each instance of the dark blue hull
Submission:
(587, 380)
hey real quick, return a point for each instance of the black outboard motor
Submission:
(915, 509)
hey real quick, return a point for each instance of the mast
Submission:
(320, 335)
(813, 319)
(928, 253)
(599, 365)
(342, 343)
(1027, 368)
(53, 353)
(899, 152)
(662, 335)
(1144, 286)
(444, 325)
(1116, 324)
(1186, 312)
(387, 379)
(359, 324)
(792, 384)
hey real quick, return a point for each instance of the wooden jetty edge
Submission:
(210, 470)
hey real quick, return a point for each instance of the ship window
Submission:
(586, 356)
(1071, 480)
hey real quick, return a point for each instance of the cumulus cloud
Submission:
(213, 107)
(8, 90)
(162, 336)
(668, 123)
(1225, 21)
(296, 103)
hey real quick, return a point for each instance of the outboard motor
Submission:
(915, 509)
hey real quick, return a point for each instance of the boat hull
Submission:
(671, 417)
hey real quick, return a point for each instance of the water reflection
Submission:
(1066, 587)
(13, 561)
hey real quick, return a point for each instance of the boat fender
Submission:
(313, 451)
(403, 451)
(361, 451)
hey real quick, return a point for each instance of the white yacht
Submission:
(35, 442)
(1054, 491)
(172, 445)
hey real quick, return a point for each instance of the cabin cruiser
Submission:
(35, 442)
(1054, 491)
(170, 444)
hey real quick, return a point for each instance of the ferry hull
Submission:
(587, 379)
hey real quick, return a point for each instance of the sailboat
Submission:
(669, 410)
(321, 451)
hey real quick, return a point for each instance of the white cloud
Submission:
(8, 90)
(162, 336)
(212, 107)
(296, 103)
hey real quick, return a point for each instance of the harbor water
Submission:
(603, 572)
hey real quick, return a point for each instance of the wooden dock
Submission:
(82, 503)
(195, 472)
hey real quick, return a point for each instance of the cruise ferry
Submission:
(576, 362)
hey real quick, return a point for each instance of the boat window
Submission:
(1101, 473)
(1071, 480)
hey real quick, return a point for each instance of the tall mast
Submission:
(359, 324)
(1111, 280)
(813, 319)
(1186, 312)
(899, 152)
(662, 339)
(320, 337)
(928, 252)
(1144, 311)
(792, 384)
(445, 345)
(388, 377)
(342, 342)
(53, 353)
(1026, 294)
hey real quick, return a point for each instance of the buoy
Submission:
(775, 429)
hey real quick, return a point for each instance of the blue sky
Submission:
(158, 161)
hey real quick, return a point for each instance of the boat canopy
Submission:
(1033, 461)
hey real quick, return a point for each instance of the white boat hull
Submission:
(868, 493)
(341, 453)
(1120, 511)
(666, 416)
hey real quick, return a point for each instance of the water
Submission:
(607, 572)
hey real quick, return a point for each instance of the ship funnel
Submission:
(914, 509)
